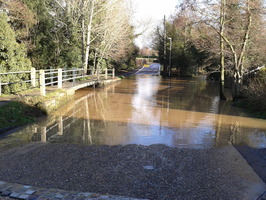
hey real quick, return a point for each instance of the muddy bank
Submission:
(152, 172)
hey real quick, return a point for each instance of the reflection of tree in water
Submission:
(238, 130)
(178, 111)
(230, 124)
(187, 94)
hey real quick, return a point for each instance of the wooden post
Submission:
(106, 73)
(74, 75)
(113, 72)
(60, 78)
(33, 77)
(42, 83)
(60, 126)
(43, 134)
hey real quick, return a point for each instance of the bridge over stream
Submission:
(53, 79)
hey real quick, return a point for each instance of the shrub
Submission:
(256, 94)
(261, 75)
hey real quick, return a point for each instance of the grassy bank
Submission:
(250, 108)
(17, 114)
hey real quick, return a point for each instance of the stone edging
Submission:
(262, 197)
(26, 192)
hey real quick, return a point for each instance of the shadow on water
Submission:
(147, 110)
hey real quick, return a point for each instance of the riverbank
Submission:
(155, 172)
(250, 108)
(14, 114)
(27, 106)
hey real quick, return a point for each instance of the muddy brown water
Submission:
(146, 109)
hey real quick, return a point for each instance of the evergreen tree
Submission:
(13, 56)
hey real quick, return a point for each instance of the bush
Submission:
(256, 94)
(261, 75)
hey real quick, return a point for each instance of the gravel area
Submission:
(151, 172)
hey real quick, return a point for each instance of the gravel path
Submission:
(152, 172)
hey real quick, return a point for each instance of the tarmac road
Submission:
(153, 69)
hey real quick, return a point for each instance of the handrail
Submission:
(55, 76)
(21, 72)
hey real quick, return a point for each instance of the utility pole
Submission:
(164, 50)
(170, 56)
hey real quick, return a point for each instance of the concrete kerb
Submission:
(66, 94)
(262, 197)
(26, 192)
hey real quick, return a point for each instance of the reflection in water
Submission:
(150, 110)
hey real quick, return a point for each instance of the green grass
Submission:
(16, 114)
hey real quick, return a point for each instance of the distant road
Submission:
(153, 69)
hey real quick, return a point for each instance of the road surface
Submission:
(153, 69)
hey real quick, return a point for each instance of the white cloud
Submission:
(149, 13)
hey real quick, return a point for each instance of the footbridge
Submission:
(53, 79)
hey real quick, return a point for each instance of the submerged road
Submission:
(153, 69)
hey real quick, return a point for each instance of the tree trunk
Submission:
(88, 39)
(83, 42)
(94, 63)
(222, 20)
(237, 83)
(238, 74)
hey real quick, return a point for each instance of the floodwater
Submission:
(146, 109)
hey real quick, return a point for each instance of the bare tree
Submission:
(233, 21)
(87, 11)
(114, 32)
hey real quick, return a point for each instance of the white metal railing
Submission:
(51, 77)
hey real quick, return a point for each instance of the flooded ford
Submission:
(147, 109)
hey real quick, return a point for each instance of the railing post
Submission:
(60, 78)
(74, 75)
(33, 77)
(43, 134)
(106, 73)
(42, 83)
(113, 73)
(0, 87)
(60, 126)
(51, 76)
